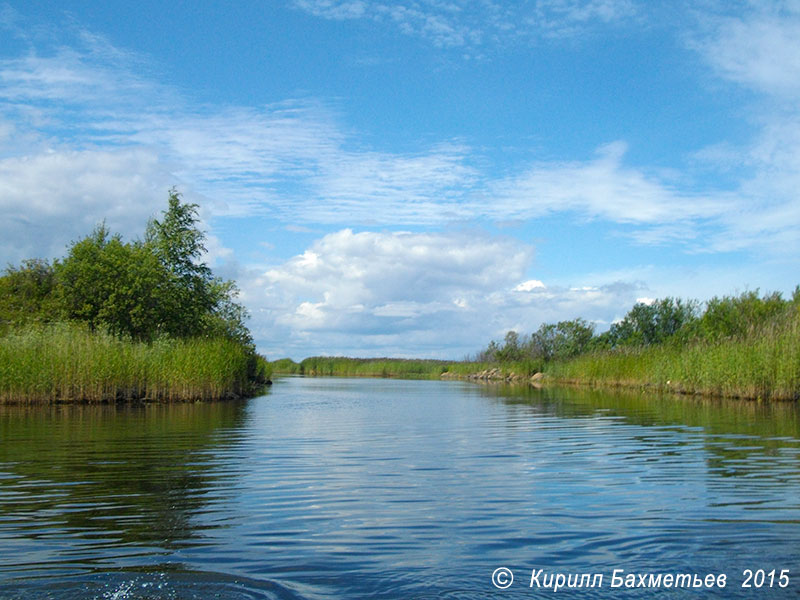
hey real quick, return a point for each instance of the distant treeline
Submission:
(361, 367)
(116, 320)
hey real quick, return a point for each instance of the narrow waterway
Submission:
(367, 488)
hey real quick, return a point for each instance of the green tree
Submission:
(511, 350)
(27, 294)
(573, 337)
(123, 287)
(151, 288)
(561, 340)
(542, 343)
(735, 316)
(200, 304)
(489, 354)
(177, 241)
(653, 323)
(178, 244)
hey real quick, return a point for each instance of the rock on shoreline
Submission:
(496, 375)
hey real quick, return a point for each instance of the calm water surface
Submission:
(342, 488)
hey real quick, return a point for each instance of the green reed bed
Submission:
(66, 362)
(368, 367)
(763, 364)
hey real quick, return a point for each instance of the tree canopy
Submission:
(144, 289)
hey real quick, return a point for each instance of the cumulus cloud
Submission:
(368, 270)
(397, 288)
(410, 294)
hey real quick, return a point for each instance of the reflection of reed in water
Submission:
(733, 432)
(121, 475)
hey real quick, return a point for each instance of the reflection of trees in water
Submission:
(736, 433)
(128, 473)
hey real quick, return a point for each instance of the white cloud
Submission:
(292, 158)
(412, 294)
(423, 188)
(601, 188)
(561, 18)
(529, 286)
(294, 162)
(52, 198)
(760, 50)
(347, 270)
(466, 24)
(334, 9)
(395, 288)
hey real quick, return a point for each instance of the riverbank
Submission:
(115, 320)
(745, 346)
(762, 366)
(68, 363)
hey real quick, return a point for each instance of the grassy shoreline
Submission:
(68, 363)
(764, 366)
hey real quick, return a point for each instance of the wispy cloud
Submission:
(600, 188)
(760, 49)
(293, 160)
(560, 18)
(59, 108)
(465, 24)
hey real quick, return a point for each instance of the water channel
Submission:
(375, 488)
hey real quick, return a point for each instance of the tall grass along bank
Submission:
(67, 362)
(745, 346)
(762, 364)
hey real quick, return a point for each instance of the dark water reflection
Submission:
(336, 488)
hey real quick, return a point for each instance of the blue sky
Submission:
(416, 177)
